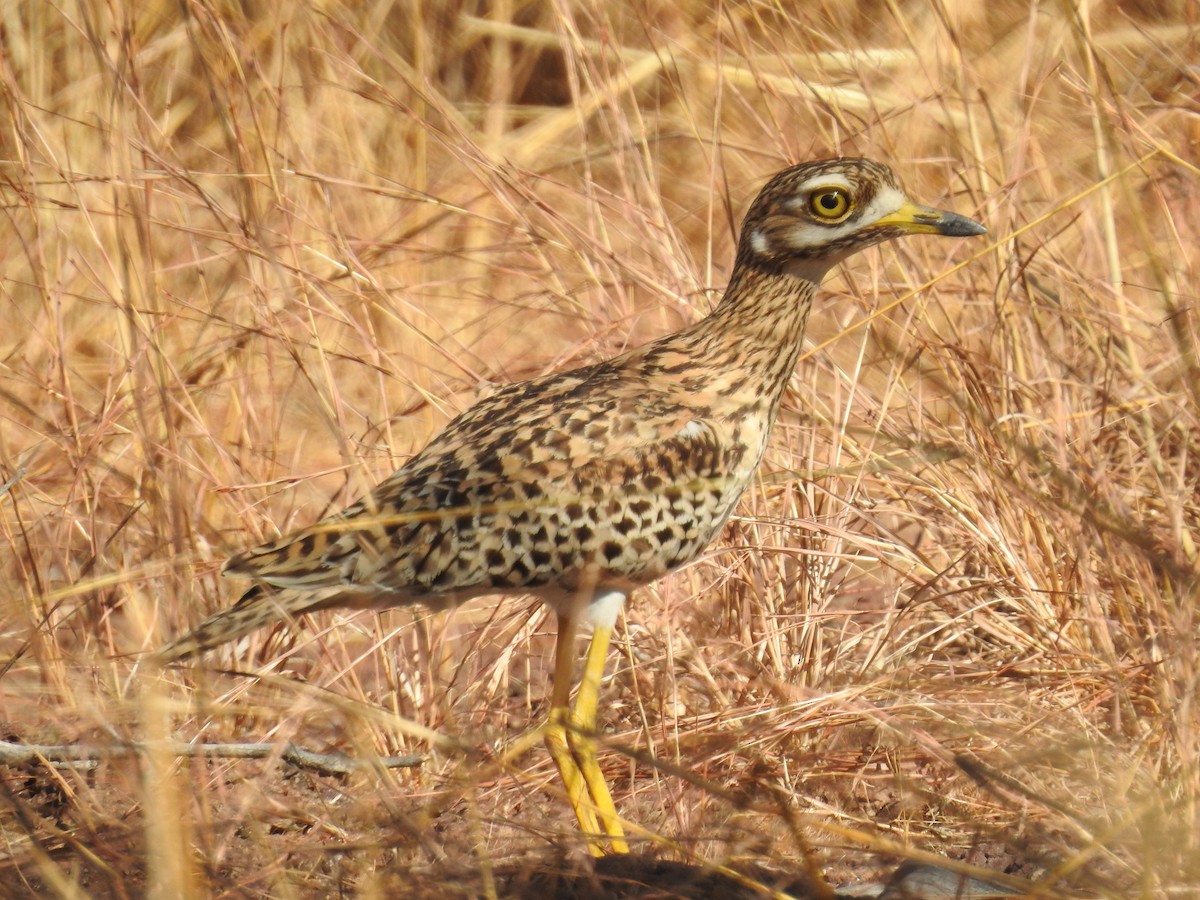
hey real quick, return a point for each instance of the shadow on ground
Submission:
(634, 877)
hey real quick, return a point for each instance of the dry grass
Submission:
(254, 255)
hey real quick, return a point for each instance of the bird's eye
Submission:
(830, 204)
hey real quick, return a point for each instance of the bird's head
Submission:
(811, 216)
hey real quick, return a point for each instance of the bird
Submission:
(579, 487)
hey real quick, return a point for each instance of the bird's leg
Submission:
(557, 736)
(580, 732)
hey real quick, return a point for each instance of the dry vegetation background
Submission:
(254, 254)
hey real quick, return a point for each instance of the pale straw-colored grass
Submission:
(254, 256)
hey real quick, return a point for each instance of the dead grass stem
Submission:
(253, 258)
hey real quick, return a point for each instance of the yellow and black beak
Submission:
(914, 219)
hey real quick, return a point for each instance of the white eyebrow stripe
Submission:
(830, 180)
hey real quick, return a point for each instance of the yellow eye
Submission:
(829, 203)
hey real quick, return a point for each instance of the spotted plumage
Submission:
(580, 486)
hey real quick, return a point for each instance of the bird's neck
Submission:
(764, 309)
(754, 336)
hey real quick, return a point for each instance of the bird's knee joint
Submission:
(580, 739)
(556, 737)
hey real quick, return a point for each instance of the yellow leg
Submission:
(583, 746)
(568, 737)
(556, 734)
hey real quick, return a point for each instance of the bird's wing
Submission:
(525, 487)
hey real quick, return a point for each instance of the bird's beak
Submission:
(913, 219)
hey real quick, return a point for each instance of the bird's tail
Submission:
(258, 607)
